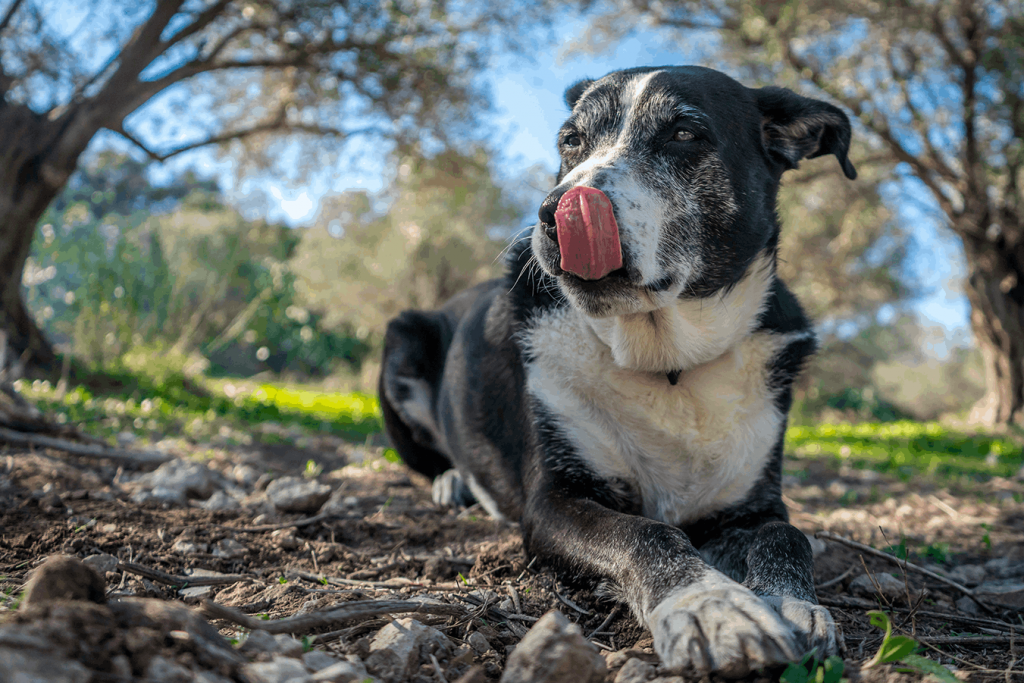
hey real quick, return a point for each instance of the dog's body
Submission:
(634, 423)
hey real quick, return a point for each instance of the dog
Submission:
(622, 392)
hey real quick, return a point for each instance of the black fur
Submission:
(476, 362)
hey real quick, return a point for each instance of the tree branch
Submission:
(9, 15)
(202, 20)
(277, 123)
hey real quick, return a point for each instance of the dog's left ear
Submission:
(794, 127)
(575, 91)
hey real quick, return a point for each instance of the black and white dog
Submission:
(623, 391)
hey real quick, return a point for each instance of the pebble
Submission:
(554, 651)
(101, 562)
(63, 577)
(177, 480)
(890, 587)
(349, 671)
(635, 671)
(279, 644)
(295, 494)
(396, 649)
(478, 642)
(968, 574)
(315, 660)
(220, 501)
(229, 549)
(285, 539)
(188, 546)
(26, 666)
(279, 670)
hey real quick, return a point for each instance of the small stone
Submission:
(63, 577)
(890, 587)
(163, 670)
(436, 568)
(188, 546)
(280, 644)
(220, 501)
(279, 670)
(478, 642)
(315, 660)
(285, 539)
(968, 574)
(818, 546)
(1004, 568)
(968, 606)
(554, 651)
(26, 666)
(244, 475)
(344, 672)
(101, 562)
(635, 671)
(294, 494)
(188, 479)
(194, 593)
(397, 649)
(229, 549)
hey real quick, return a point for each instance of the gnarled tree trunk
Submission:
(995, 288)
(36, 157)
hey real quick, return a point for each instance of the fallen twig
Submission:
(84, 450)
(351, 610)
(832, 582)
(282, 525)
(607, 620)
(836, 538)
(569, 603)
(181, 581)
(396, 582)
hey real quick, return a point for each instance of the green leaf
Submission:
(927, 666)
(833, 668)
(794, 673)
(895, 648)
(881, 620)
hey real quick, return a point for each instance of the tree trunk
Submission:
(995, 288)
(36, 159)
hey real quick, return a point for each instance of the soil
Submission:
(393, 543)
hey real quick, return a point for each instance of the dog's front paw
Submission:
(715, 624)
(812, 623)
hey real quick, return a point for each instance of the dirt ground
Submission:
(386, 540)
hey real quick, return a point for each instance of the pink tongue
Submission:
(588, 237)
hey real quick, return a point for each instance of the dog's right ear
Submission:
(794, 127)
(574, 91)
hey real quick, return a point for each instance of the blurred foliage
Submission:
(118, 263)
(436, 230)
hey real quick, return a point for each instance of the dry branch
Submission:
(181, 581)
(361, 609)
(836, 538)
(83, 450)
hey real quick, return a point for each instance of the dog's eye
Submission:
(572, 141)
(682, 136)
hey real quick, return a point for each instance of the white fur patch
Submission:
(483, 497)
(416, 409)
(715, 624)
(689, 449)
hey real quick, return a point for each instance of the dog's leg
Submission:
(701, 619)
(776, 563)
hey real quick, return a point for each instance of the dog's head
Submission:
(690, 161)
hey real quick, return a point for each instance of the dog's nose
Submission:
(547, 214)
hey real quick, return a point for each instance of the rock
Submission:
(554, 651)
(635, 671)
(195, 593)
(285, 539)
(229, 549)
(63, 577)
(315, 660)
(1004, 568)
(279, 670)
(244, 475)
(295, 494)
(349, 671)
(436, 568)
(188, 546)
(397, 649)
(101, 562)
(968, 606)
(478, 642)
(968, 574)
(27, 666)
(890, 587)
(818, 546)
(180, 478)
(163, 670)
(614, 660)
(280, 644)
(220, 501)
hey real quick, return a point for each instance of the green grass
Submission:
(907, 448)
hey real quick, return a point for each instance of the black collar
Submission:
(673, 376)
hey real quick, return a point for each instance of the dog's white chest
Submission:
(690, 449)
